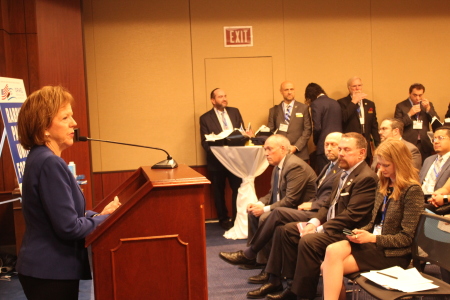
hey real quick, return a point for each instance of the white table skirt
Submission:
(246, 163)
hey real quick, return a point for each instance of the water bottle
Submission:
(73, 169)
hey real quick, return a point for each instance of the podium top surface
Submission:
(181, 174)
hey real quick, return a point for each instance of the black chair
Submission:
(431, 244)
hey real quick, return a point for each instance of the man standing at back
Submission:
(359, 114)
(416, 113)
(291, 119)
(326, 118)
(220, 118)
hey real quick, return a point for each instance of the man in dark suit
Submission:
(359, 115)
(349, 206)
(416, 114)
(393, 128)
(436, 168)
(259, 245)
(291, 119)
(293, 182)
(220, 118)
(326, 118)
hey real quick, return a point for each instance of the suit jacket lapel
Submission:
(215, 121)
(443, 169)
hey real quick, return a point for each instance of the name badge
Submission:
(361, 121)
(377, 229)
(417, 124)
(299, 115)
(283, 127)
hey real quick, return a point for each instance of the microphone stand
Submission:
(169, 163)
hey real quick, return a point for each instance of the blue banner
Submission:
(12, 96)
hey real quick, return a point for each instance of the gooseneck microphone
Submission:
(169, 163)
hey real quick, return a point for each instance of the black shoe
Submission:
(264, 290)
(252, 267)
(236, 258)
(260, 278)
(226, 225)
(287, 294)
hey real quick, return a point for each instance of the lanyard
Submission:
(384, 208)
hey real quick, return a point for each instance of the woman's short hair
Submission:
(37, 113)
(396, 152)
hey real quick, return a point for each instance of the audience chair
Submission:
(431, 245)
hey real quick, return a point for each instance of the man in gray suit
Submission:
(292, 119)
(293, 182)
(436, 168)
(393, 128)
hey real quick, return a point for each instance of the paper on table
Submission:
(215, 137)
(407, 281)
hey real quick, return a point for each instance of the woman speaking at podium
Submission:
(52, 259)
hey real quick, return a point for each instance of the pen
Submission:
(387, 275)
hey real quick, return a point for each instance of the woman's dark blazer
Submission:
(400, 222)
(54, 211)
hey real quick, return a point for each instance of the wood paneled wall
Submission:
(41, 42)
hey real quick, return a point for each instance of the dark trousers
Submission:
(218, 179)
(321, 162)
(309, 257)
(261, 238)
(49, 289)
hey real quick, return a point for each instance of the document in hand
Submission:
(396, 278)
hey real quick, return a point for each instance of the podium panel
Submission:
(153, 246)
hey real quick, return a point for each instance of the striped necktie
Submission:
(224, 121)
(287, 115)
(276, 177)
(332, 210)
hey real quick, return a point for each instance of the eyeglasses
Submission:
(440, 138)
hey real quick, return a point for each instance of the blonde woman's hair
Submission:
(396, 152)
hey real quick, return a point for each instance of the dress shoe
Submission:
(260, 278)
(252, 267)
(264, 290)
(226, 225)
(236, 258)
(287, 294)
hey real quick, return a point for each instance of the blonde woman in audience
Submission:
(386, 240)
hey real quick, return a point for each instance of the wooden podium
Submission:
(153, 246)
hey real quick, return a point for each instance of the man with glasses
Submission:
(393, 128)
(436, 168)
(359, 114)
(416, 113)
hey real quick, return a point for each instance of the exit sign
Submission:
(238, 36)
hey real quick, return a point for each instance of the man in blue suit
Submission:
(326, 118)
(292, 119)
(220, 118)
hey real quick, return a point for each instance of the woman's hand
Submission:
(111, 207)
(361, 237)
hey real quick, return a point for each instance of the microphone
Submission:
(169, 163)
